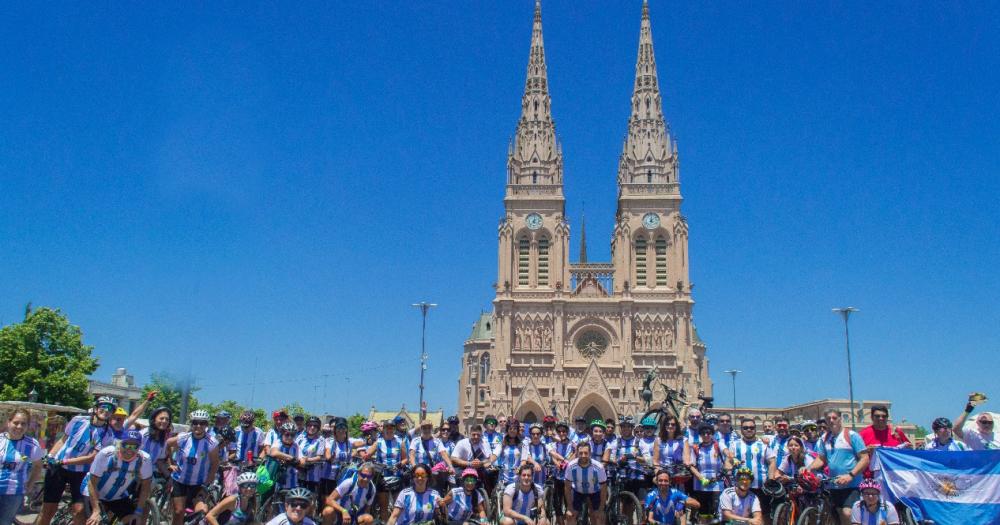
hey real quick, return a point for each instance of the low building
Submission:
(814, 410)
(121, 387)
(412, 418)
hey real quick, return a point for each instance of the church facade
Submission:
(577, 338)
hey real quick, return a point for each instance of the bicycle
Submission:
(817, 508)
(669, 406)
(618, 497)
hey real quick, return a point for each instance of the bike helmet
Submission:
(598, 423)
(226, 434)
(626, 420)
(106, 400)
(452, 420)
(649, 421)
(299, 493)
(549, 420)
(939, 423)
(534, 426)
(341, 424)
(313, 420)
(490, 420)
(439, 467)
(579, 419)
(198, 415)
(389, 423)
(246, 478)
(679, 473)
(299, 416)
(870, 484)
(132, 436)
(809, 481)
(398, 419)
(562, 424)
(774, 488)
(247, 418)
(809, 423)
(470, 472)
(744, 472)
(367, 426)
(120, 412)
(288, 427)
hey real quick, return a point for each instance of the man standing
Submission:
(777, 449)
(881, 434)
(984, 437)
(490, 433)
(580, 432)
(751, 452)
(725, 434)
(691, 436)
(845, 453)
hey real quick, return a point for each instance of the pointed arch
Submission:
(593, 393)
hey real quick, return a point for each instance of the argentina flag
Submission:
(950, 488)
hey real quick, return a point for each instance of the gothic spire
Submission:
(583, 238)
(535, 157)
(648, 154)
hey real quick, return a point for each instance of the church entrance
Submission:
(530, 418)
(592, 413)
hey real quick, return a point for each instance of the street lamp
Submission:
(733, 373)
(846, 312)
(33, 395)
(424, 307)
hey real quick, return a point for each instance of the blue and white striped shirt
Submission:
(539, 453)
(565, 450)
(522, 502)
(157, 450)
(82, 438)
(509, 459)
(312, 447)
(388, 452)
(416, 507)
(292, 473)
(114, 475)
(250, 441)
(193, 458)
(671, 451)
(586, 480)
(754, 457)
(17, 458)
(428, 451)
(340, 453)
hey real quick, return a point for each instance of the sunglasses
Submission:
(748, 428)
(288, 434)
(248, 486)
(724, 421)
(986, 422)
(445, 429)
(362, 475)
(297, 504)
(106, 406)
(782, 425)
(420, 476)
(199, 423)
(131, 447)
(470, 479)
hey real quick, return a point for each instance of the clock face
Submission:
(651, 221)
(534, 221)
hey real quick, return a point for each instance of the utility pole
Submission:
(733, 373)
(424, 307)
(846, 312)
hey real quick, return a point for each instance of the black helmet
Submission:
(227, 434)
(706, 427)
(247, 418)
(313, 420)
(452, 420)
(939, 423)
(626, 420)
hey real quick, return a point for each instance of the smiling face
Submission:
(296, 509)
(198, 427)
(880, 419)
(748, 429)
(794, 448)
(128, 450)
(162, 421)
(782, 427)
(536, 435)
(420, 479)
(17, 425)
(525, 478)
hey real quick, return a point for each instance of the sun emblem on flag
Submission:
(948, 487)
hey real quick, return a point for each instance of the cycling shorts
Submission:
(844, 498)
(558, 488)
(579, 498)
(55, 483)
(188, 492)
(119, 508)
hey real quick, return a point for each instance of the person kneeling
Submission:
(112, 472)
(739, 505)
(298, 503)
(522, 500)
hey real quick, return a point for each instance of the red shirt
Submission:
(883, 438)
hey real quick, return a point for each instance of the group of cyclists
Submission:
(708, 467)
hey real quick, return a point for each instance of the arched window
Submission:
(661, 262)
(592, 413)
(543, 261)
(484, 366)
(649, 175)
(640, 261)
(523, 253)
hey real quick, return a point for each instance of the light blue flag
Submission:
(950, 488)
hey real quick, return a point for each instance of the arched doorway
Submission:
(593, 406)
(530, 417)
(592, 413)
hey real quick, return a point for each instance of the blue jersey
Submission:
(355, 495)
(811, 446)
(708, 458)
(312, 447)
(754, 457)
(449, 445)
(114, 476)
(415, 506)
(791, 468)
(539, 453)
(726, 440)
(522, 502)
(193, 458)
(691, 436)
(842, 455)
(597, 449)
(248, 441)
(82, 438)
(494, 439)
(291, 473)
(628, 447)
(16, 458)
(461, 507)
(665, 506)
(388, 452)
(340, 455)
(427, 451)
(509, 459)
(671, 452)
(156, 450)
(564, 449)
(586, 480)
(777, 449)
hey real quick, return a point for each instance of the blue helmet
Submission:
(133, 436)
(399, 419)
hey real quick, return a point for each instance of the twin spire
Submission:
(648, 156)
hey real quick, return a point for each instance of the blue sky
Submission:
(205, 186)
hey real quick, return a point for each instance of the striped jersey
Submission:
(354, 495)
(82, 438)
(625, 447)
(113, 476)
(540, 454)
(248, 441)
(646, 445)
(271, 437)
(884, 514)
(691, 436)
(416, 506)
(312, 447)
(17, 457)
(754, 457)
(522, 502)
(671, 451)
(586, 480)
(597, 449)
(494, 439)
(193, 458)
(954, 445)
(449, 445)
(790, 467)
(811, 446)
(564, 449)
(777, 449)
(508, 459)
(291, 473)
(388, 452)
(461, 508)
(157, 450)
(427, 451)
(708, 458)
(282, 519)
(727, 439)
(340, 454)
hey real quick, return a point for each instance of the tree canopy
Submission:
(45, 353)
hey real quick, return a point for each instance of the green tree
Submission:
(171, 390)
(46, 353)
(354, 425)
(236, 409)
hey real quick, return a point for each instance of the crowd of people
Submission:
(710, 463)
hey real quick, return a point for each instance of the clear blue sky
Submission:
(204, 184)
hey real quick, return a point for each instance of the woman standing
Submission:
(509, 454)
(20, 464)
(669, 447)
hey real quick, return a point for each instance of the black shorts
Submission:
(119, 508)
(765, 501)
(844, 498)
(188, 492)
(579, 498)
(708, 501)
(558, 495)
(55, 483)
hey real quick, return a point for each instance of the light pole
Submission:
(424, 307)
(733, 373)
(846, 312)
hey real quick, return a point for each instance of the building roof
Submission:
(413, 418)
(483, 327)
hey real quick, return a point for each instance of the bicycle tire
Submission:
(782, 514)
(631, 518)
(63, 516)
(154, 517)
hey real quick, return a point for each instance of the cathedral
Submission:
(578, 338)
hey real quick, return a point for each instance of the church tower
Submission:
(534, 234)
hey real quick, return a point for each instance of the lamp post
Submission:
(846, 312)
(33, 395)
(733, 373)
(424, 307)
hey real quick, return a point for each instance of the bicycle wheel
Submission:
(63, 515)
(154, 517)
(782, 514)
(626, 516)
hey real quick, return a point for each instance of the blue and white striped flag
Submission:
(957, 488)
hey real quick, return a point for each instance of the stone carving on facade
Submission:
(533, 333)
(591, 344)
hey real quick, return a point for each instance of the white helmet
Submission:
(246, 478)
(198, 415)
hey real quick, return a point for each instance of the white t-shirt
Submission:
(976, 441)
(464, 449)
(282, 519)
(743, 507)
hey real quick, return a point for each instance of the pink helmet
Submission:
(470, 472)
(369, 426)
(870, 484)
(439, 467)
